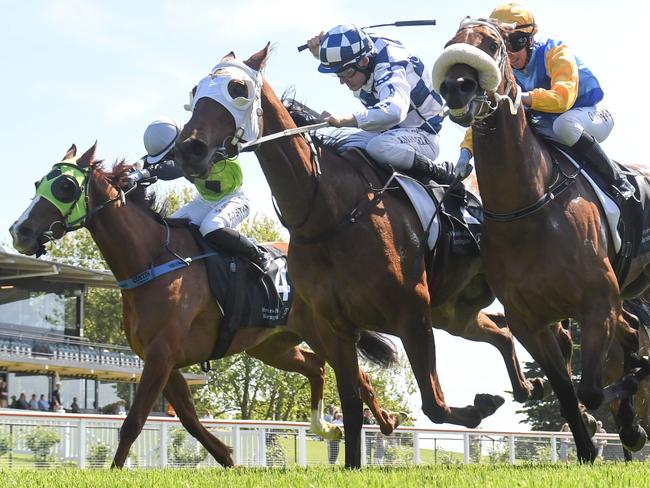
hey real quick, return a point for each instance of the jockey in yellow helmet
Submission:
(562, 97)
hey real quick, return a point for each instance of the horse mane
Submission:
(147, 200)
(302, 115)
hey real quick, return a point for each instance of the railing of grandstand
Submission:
(89, 441)
(65, 348)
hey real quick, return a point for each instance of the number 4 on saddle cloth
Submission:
(246, 297)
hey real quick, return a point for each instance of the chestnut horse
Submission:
(353, 248)
(172, 321)
(545, 249)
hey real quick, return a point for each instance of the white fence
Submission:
(29, 439)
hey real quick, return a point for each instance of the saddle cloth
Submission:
(462, 221)
(245, 297)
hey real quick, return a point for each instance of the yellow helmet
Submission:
(513, 13)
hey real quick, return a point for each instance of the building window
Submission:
(54, 309)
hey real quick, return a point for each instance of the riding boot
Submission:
(231, 241)
(442, 173)
(593, 154)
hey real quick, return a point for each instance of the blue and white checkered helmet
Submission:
(342, 45)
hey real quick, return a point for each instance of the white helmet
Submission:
(159, 138)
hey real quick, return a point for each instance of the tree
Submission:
(245, 388)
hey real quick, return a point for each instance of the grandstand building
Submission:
(42, 339)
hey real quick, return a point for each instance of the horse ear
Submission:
(72, 152)
(228, 57)
(258, 60)
(88, 157)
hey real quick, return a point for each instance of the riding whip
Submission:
(400, 23)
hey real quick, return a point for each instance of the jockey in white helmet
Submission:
(221, 204)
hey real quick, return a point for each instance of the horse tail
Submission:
(376, 348)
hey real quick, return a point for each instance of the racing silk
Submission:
(398, 93)
(557, 82)
(225, 178)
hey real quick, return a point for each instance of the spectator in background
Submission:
(329, 413)
(74, 406)
(33, 402)
(12, 403)
(565, 442)
(4, 394)
(43, 404)
(121, 407)
(600, 443)
(21, 403)
(334, 445)
(56, 404)
(368, 419)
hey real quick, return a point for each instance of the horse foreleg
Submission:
(598, 328)
(482, 328)
(156, 371)
(420, 348)
(179, 395)
(345, 363)
(280, 352)
(545, 349)
(387, 421)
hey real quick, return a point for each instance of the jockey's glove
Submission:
(463, 167)
(139, 175)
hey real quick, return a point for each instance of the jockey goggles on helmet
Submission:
(517, 41)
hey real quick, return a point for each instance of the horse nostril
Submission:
(196, 150)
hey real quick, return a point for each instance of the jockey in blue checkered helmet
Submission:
(400, 119)
(342, 47)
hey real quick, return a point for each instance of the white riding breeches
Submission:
(597, 121)
(394, 147)
(209, 216)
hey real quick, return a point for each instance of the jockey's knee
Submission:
(388, 152)
(567, 129)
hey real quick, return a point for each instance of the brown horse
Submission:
(545, 250)
(172, 322)
(353, 268)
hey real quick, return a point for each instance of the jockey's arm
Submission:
(563, 70)
(394, 93)
(165, 170)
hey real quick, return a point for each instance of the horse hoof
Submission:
(400, 418)
(332, 432)
(590, 422)
(487, 404)
(634, 438)
(538, 392)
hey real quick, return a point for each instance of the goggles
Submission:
(518, 41)
(347, 72)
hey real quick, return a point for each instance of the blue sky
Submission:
(79, 71)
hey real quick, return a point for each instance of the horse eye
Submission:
(65, 189)
(237, 89)
(492, 47)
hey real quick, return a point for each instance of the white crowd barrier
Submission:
(50, 440)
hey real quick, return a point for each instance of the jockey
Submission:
(561, 95)
(221, 203)
(400, 120)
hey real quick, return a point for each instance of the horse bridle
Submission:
(561, 181)
(486, 107)
(82, 221)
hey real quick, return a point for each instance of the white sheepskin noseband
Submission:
(489, 74)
